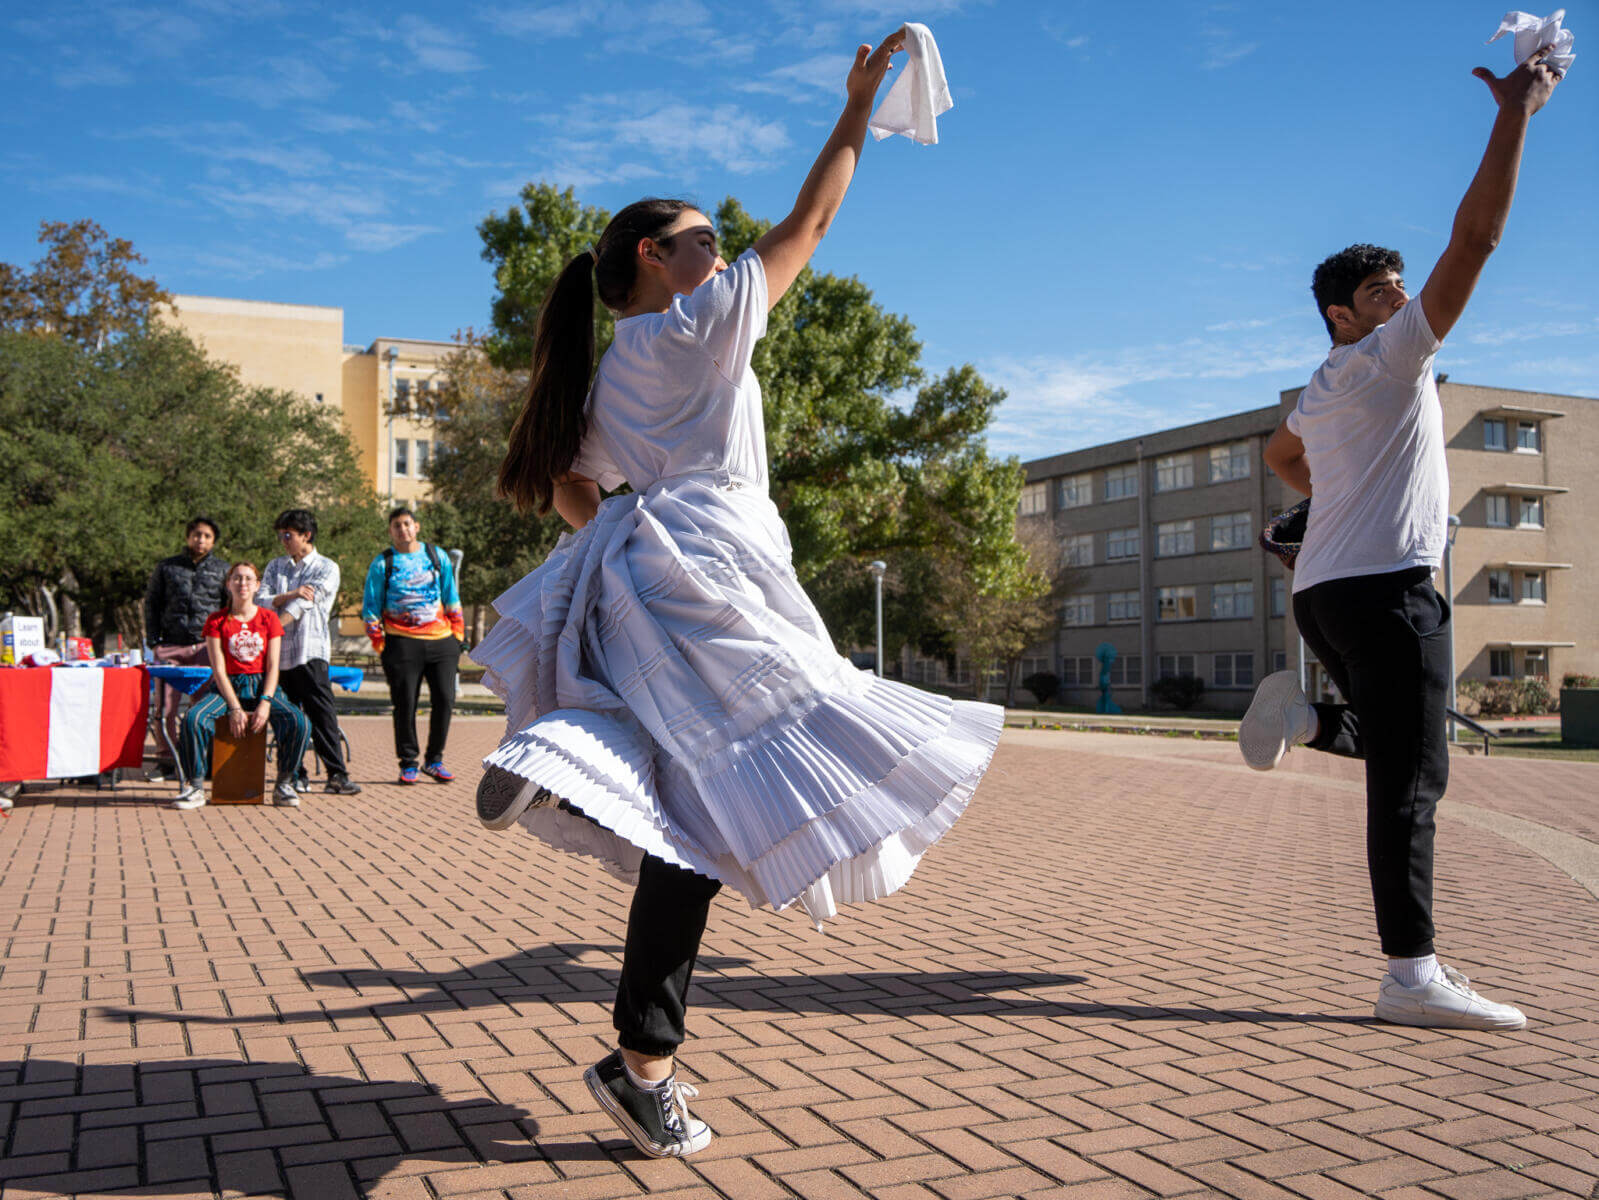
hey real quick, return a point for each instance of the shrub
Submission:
(1505, 698)
(1580, 681)
(1532, 696)
(1469, 697)
(1180, 691)
(1043, 685)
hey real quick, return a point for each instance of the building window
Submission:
(402, 456)
(1498, 509)
(1231, 531)
(1123, 606)
(1279, 598)
(1279, 660)
(1128, 669)
(1169, 666)
(1531, 512)
(1076, 491)
(1233, 670)
(1174, 537)
(1535, 664)
(1177, 604)
(1229, 462)
(402, 395)
(1121, 543)
(1174, 472)
(1493, 434)
(423, 450)
(1532, 587)
(1499, 664)
(1079, 550)
(1035, 500)
(1121, 482)
(1077, 610)
(1527, 439)
(319, 397)
(1077, 672)
(1499, 586)
(1233, 599)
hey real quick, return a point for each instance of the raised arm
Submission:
(1480, 220)
(787, 246)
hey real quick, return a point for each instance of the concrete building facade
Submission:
(1161, 535)
(383, 391)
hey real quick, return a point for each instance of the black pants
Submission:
(406, 661)
(664, 928)
(1384, 639)
(307, 685)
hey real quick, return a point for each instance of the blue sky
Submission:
(1118, 225)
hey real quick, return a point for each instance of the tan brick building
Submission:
(1162, 532)
(382, 390)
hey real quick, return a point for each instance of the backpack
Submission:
(433, 557)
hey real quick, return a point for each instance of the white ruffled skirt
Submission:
(665, 675)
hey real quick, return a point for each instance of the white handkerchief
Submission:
(1534, 32)
(918, 95)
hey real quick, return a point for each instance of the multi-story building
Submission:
(1159, 534)
(383, 391)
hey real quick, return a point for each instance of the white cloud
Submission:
(550, 21)
(667, 134)
(318, 121)
(275, 81)
(802, 80)
(437, 48)
(245, 263)
(235, 142)
(1523, 333)
(337, 205)
(153, 32)
(91, 74)
(1059, 402)
(1222, 48)
(380, 235)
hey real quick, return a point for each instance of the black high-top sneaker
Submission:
(503, 796)
(657, 1122)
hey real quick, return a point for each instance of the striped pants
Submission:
(289, 725)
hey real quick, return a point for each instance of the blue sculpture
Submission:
(1105, 653)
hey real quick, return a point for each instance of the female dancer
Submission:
(677, 709)
(242, 641)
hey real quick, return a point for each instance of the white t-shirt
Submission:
(675, 394)
(1374, 439)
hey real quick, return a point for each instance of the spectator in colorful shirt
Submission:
(412, 612)
(243, 642)
(183, 591)
(300, 588)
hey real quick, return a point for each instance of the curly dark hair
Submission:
(1337, 278)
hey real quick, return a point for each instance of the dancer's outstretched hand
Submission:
(872, 65)
(1528, 87)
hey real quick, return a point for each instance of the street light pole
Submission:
(877, 568)
(1449, 593)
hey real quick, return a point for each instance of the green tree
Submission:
(105, 454)
(858, 471)
(84, 288)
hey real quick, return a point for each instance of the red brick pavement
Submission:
(1134, 969)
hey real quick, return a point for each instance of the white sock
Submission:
(650, 1085)
(1414, 972)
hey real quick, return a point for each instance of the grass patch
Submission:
(1532, 744)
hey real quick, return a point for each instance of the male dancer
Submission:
(1368, 432)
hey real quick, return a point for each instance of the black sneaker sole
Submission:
(503, 796)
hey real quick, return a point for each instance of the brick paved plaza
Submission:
(1135, 968)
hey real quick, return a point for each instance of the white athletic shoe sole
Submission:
(1278, 717)
(1446, 1002)
(503, 796)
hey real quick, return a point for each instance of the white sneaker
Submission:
(1446, 1001)
(284, 794)
(191, 797)
(1278, 717)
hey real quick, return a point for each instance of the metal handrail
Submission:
(1481, 731)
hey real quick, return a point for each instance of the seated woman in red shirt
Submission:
(243, 643)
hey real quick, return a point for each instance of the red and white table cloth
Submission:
(60, 722)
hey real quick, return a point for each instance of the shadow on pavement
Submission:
(554, 975)
(258, 1128)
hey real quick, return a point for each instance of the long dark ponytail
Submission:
(549, 430)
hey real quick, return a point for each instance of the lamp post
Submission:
(877, 567)
(1449, 593)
